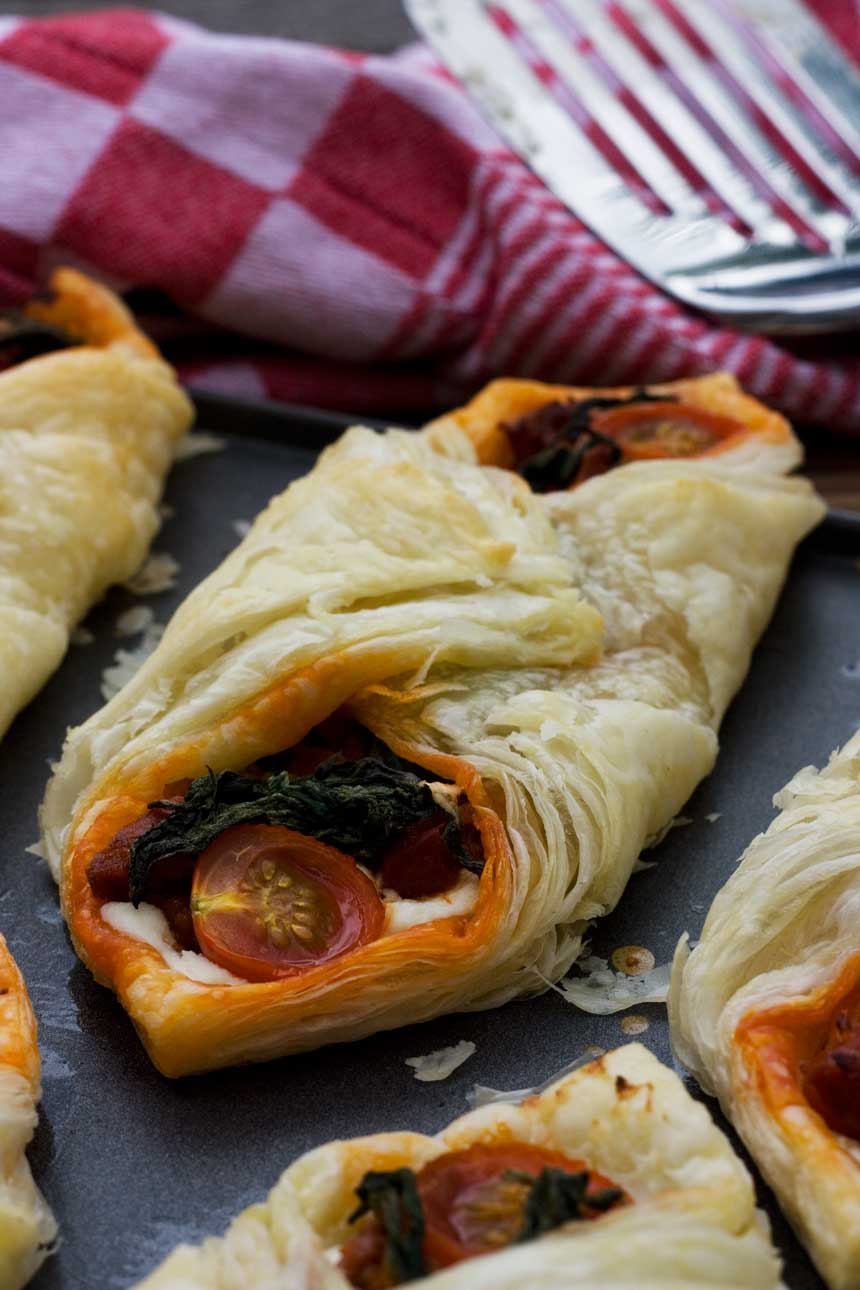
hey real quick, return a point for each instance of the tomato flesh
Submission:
(418, 862)
(268, 903)
(472, 1205)
(832, 1077)
(107, 872)
(654, 430)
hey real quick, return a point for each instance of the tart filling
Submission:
(465, 1204)
(294, 861)
(806, 1053)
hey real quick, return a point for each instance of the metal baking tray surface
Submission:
(132, 1163)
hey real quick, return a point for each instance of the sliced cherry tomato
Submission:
(832, 1078)
(267, 902)
(418, 862)
(473, 1202)
(654, 430)
(473, 1205)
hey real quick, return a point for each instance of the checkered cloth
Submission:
(335, 229)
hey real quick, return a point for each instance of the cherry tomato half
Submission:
(267, 902)
(654, 430)
(471, 1206)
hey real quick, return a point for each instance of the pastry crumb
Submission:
(600, 989)
(156, 574)
(127, 662)
(134, 621)
(195, 445)
(634, 1025)
(442, 1063)
(632, 960)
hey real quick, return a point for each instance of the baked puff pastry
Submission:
(86, 438)
(613, 1178)
(27, 1227)
(765, 1010)
(410, 738)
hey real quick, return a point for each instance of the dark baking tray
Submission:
(132, 1163)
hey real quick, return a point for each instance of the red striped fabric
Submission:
(336, 229)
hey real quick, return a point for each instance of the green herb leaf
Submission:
(559, 1197)
(392, 1197)
(356, 806)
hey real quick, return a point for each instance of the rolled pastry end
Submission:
(90, 313)
(611, 1169)
(27, 1227)
(766, 1009)
(796, 1093)
(193, 1018)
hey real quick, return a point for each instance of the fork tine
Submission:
(539, 128)
(802, 46)
(686, 66)
(710, 21)
(701, 260)
(681, 126)
(830, 80)
(604, 107)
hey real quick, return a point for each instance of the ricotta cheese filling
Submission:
(148, 924)
(403, 914)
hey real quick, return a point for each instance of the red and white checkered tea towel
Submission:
(352, 217)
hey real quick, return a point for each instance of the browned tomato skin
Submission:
(453, 1188)
(418, 863)
(363, 1260)
(831, 1080)
(272, 928)
(108, 871)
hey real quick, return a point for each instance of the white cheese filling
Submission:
(403, 914)
(148, 924)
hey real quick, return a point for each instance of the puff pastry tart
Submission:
(766, 1009)
(27, 1227)
(412, 734)
(614, 1178)
(86, 438)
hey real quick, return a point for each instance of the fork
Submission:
(713, 144)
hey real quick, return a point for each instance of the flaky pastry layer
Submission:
(565, 659)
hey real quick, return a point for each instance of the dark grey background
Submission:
(375, 25)
(133, 1163)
